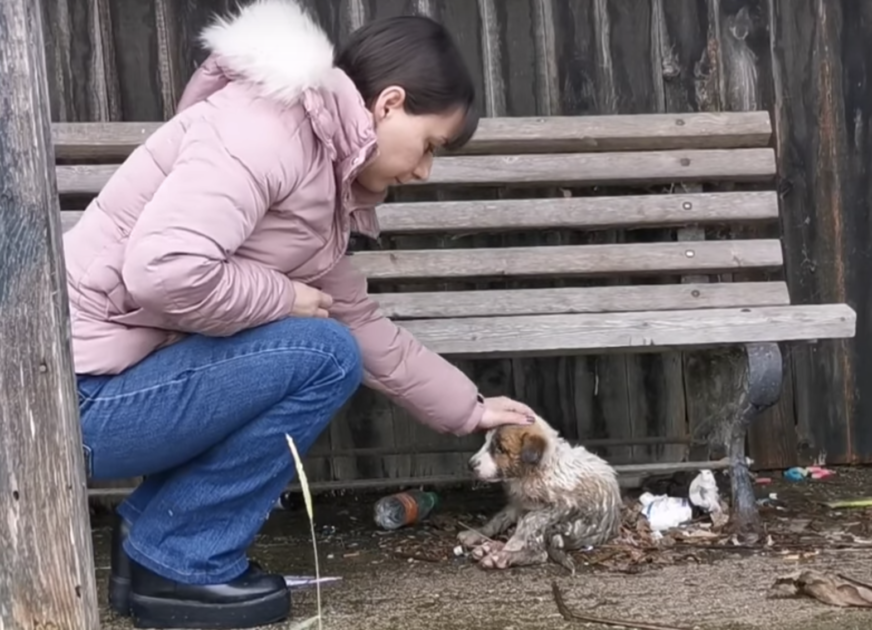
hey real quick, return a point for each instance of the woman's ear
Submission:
(391, 99)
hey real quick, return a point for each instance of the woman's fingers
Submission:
(507, 404)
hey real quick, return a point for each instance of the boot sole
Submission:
(119, 595)
(155, 612)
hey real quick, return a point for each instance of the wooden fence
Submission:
(803, 60)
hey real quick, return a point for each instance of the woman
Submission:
(214, 309)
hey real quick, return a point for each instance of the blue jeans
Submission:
(205, 419)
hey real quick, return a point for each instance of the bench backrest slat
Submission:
(685, 257)
(582, 213)
(611, 299)
(724, 130)
(570, 169)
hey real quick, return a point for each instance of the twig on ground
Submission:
(561, 558)
(569, 615)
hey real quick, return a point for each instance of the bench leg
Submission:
(727, 389)
(760, 389)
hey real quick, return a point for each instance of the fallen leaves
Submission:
(830, 588)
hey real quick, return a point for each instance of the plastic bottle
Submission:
(665, 512)
(404, 508)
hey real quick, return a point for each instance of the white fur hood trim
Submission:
(275, 44)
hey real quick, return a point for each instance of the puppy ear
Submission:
(532, 449)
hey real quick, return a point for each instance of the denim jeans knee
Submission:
(206, 420)
(339, 341)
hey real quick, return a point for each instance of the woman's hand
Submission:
(309, 302)
(501, 410)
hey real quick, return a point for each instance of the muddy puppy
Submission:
(560, 497)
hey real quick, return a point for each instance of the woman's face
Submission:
(405, 141)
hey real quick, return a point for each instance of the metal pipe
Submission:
(453, 449)
(626, 471)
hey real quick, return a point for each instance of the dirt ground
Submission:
(411, 579)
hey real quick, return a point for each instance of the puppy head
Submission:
(510, 452)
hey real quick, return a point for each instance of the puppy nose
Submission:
(470, 464)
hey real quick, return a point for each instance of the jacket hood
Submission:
(274, 44)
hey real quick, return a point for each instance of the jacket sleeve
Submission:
(179, 260)
(436, 392)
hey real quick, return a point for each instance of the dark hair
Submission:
(419, 55)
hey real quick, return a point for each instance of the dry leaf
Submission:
(832, 589)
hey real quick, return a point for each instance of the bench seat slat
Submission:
(568, 334)
(580, 169)
(572, 260)
(585, 213)
(701, 130)
(657, 297)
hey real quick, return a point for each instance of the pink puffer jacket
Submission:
(250, 185)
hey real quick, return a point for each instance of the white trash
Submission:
(704, 493)
(664, 512)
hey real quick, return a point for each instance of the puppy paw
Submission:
(470, 539)
(504, 558)
(487, 548)
(501, 559)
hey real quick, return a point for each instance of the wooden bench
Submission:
(669, 181)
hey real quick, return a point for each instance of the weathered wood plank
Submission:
(597, 332)
(679, 67)
(715, 56)
(608, 299)
(745, 65)
(730, 130)
(577, 169)
(46, 557)
(850, 265)
(585, 213)
(139, 59)
(822, 114)
(600, 169)
(80, 60)
(571, 260)
(603, 67)
(630, 211)
(579, 213)
(623, 133)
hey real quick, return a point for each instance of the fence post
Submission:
(46, 558)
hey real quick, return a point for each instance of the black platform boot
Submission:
(253, 599)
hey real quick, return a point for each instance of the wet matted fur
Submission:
(560, 497)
